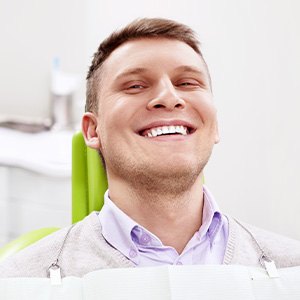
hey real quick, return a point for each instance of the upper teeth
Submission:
(166, 130)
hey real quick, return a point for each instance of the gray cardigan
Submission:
(85, 250)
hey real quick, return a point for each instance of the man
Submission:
(151, 116)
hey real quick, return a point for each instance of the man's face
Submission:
(156, 116)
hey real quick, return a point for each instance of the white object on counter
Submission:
(48, 152)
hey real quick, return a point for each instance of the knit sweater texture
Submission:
(82, 249)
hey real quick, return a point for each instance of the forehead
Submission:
(153, 54)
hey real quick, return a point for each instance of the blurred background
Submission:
(252, 49)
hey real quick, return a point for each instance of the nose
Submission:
(166, 98)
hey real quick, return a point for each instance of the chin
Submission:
(177, 169)
(170, 178)
(157, 171)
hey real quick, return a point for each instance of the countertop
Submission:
(47, 152)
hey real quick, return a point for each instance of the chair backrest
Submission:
(89, 181)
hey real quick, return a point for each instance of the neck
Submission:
(172, 217)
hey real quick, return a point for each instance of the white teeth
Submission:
(153, 132)
(159, 131)
(167, 130)
(172, 129)
(178, 129)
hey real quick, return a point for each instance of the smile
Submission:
(166, 130)
(171, 129)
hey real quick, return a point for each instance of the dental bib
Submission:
(226, 282)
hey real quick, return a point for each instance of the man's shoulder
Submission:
(79, 249)
(250, 239)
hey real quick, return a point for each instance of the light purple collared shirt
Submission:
(143, 248)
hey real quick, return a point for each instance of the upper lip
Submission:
(191, 128)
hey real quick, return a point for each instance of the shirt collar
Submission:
(117, 227)
(212, 218)
(122, 232)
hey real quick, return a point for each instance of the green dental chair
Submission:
(89, 184)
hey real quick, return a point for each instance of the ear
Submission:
(89, 126)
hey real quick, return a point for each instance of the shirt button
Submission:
(145, 239)
(135, 239)
(132, 253)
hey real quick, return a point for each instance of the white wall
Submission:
(32, 34)
(254, 58)
(252, 50)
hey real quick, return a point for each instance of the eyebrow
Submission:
(191, 69)
(133, 71)
(139, 71)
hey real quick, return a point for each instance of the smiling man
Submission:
(151, 116)
(155, 128)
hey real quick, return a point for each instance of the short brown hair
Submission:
(140, 28)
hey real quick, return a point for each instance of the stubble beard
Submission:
(155, 182)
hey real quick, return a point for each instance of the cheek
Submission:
(207, 112)
(202, 102)
(113, 121)
(122, 112)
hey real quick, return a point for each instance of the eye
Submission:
(136, 86)
(190, 84)
(186, 83)
(134, 89)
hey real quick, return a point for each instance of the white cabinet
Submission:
(33, 195)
